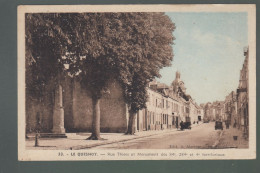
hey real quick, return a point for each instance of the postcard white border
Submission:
(48, 155)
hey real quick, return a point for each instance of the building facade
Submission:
(68, 108)
(242, 97)
(214, 111)
(230, 105)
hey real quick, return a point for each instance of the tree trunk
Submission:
(131, 124)
(96, 120)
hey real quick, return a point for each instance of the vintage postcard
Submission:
(136, 82)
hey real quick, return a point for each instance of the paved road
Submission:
(200, 136)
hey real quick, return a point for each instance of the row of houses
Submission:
(214, 111)
(236, 103)
(243, 97)
(234, 109)
(167, 107)
(68, 108)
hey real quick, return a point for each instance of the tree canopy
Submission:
(121, 46)
(129, 48)
(46, 43)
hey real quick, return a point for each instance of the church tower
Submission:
(175, 83)
(178, 76)
(178, 83)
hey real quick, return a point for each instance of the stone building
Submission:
(230, 106)
(194, 110)
(68, 108)
(200, 113)
(214, 111)
(242, 96)
(206, 107)
(219, 110)
(174, 103)
(209, 112)
(236, 103)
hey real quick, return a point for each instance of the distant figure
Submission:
(235, 124)
(197, 122)
(182, 125)
(227, 125)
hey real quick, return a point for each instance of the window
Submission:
(187, 110)
(162, 103)
(153, 118)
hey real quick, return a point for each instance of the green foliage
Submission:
(156, 53)
(130, 48)
(45, 44)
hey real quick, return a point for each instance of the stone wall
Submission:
(112, 109)
(78, 110)
(39, 113)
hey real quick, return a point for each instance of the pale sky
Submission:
(208, 52)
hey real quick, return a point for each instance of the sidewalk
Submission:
(227, 140)
(75, 141)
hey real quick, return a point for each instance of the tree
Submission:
(153, 51)
(47, 40)
(136, 97)
(53, 40)
(46, 43)
(130, 48)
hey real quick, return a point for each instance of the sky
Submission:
(208, 52)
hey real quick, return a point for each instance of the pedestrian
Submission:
(235, 124)
(227, 125)
(182, 125)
